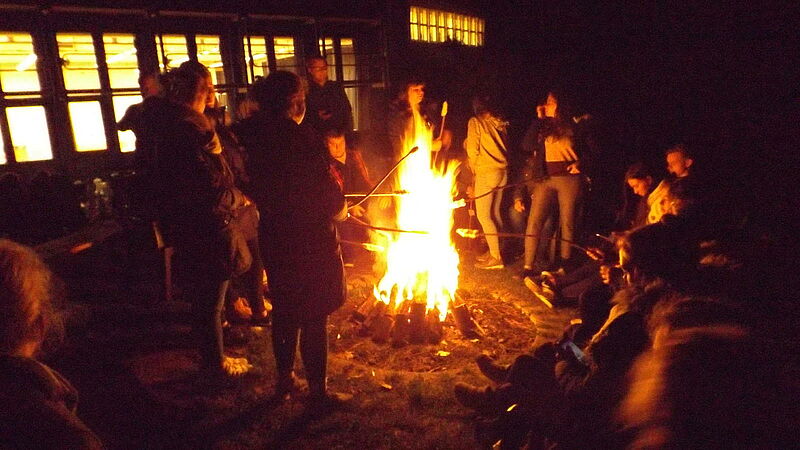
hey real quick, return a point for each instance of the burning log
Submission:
(418, 325)
(381, 328)
(401, 332)
(434, 326)
(463, 318)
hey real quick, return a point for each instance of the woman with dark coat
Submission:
(299, 200)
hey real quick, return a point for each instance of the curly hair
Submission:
(25, 296)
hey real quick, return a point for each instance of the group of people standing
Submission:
(260, 194)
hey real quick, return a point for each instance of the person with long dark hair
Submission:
(558, 156)
(487, 149)
(197, 205)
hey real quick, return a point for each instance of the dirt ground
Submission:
(133, 362)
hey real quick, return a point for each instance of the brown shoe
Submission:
(491, 370)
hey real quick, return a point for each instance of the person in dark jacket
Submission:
(37, 404)
(197, 206)
(328, 105)
(558, 159)
(299, 200)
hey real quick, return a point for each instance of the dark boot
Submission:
(491, 370)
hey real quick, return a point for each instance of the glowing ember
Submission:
(422, 267)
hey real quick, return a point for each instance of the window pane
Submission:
(29, 135)
(414, 32)
(285, 57)
(348, 59)
(208, 54)
(424, 33)
(87, 126)
(123, 70)
(175, 51)
(330, 58)
(352, 95)
(127, 140)
(79, 64)
(413, 18)
(258, 48)
(17, 63)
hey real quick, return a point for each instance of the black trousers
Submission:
(313, 336)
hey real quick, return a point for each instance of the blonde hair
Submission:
(25, 296)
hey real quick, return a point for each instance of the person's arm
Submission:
(472, 142)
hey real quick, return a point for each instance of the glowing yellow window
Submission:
(326, 48)
(209, 55)
(127, 140)
(17, 63)
(285, 57)
(175, 51)
(78, 62)
(123, 69)
(29, 136)
(87, 126)
(258, 49)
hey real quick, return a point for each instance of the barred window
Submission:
(429, 25)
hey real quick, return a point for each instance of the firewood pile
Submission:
(410, 322)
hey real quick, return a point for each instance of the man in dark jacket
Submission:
(328, 105)
(299, 200)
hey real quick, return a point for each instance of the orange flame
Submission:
(422, 267)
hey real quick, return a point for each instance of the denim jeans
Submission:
(563, 191)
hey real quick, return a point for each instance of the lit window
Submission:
(326, 49)
(285, 57)
(29, 136)
(87, 126)
(209, 55)
(78, 62)
(17, 63)
(255, 55)
(172, 51)
(127, 140)
(123, 70)
(427, 25)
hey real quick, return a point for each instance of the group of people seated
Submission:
(670, 347)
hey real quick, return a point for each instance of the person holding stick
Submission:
(300, 201)
(487, 149)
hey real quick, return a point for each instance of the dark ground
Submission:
(131, 357)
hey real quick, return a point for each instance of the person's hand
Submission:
(518, 205)
(470, 191)
(595, 253)
(540, 111)
(574, 168)
(357, 211)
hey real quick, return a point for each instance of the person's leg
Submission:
(253, 280)
(284, 343)
(314, 351)
(541, 204)
(210, 297)
(569, 192)
(484, 206)
(497, 200)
